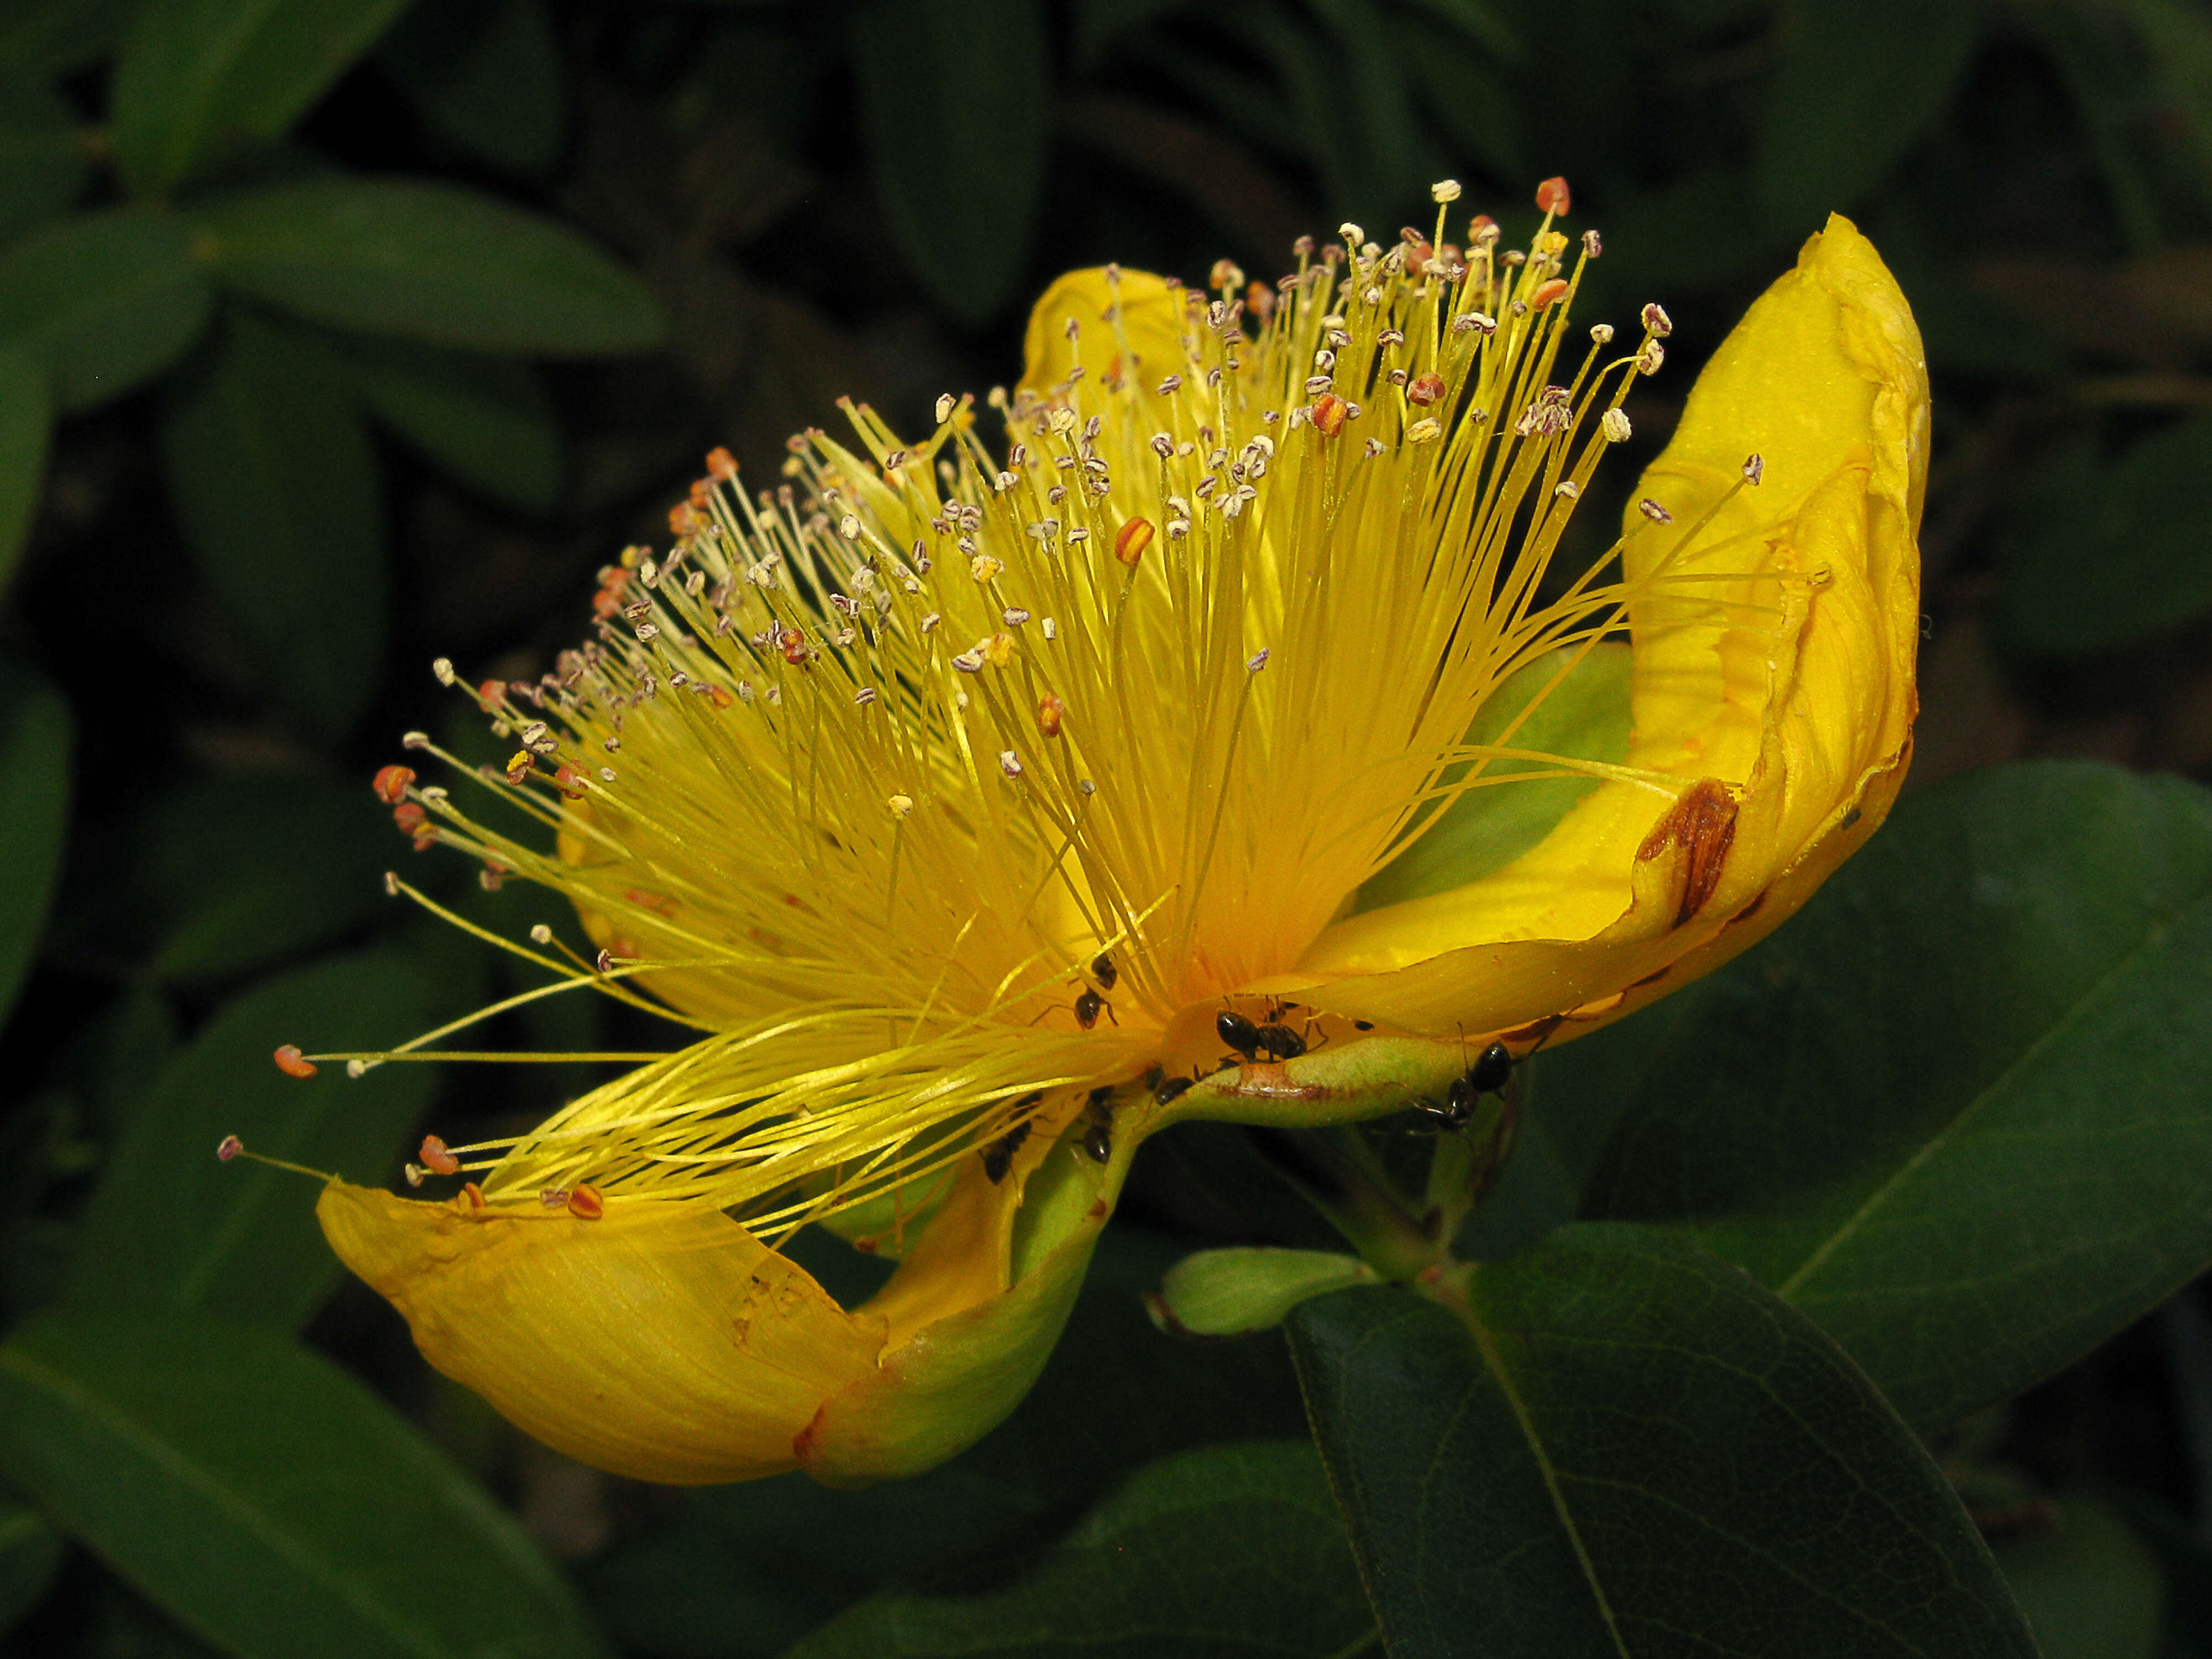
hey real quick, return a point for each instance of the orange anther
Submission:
(390, 784)
(719, 698)
(1554, 196)
(793, 644)
(585, 1203)
(1425, 389)
(682, 520)
(722, 465)
(1329, 414)
(474, 1194)
(571, 782)
(606, 602)
(491, 693)
(409, 818)
(1259, 301)
(1131, 540)
(1548, 292)
(1481, 222)
(703, 494)
(1417, 256)
(293, 1063)
(439, 1157)
(1050, 711)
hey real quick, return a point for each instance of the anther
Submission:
(553, 1197)
(540, 934)
(1651, 510)
(1593, 243)
(605, 962)
(415, 740)
(901, 805)
(1257, 661)
(1657, 321)
(1548, 293)
(390, 784)
(1554, 196)
(292, 1063)
(585, 1203)
(1010, 762)
(1425, 389)
(229, 1147)
(1614, 426)
(518, 766)
(1601, 334)
(1444, 189)
(1423, 431)
(357, 1068)
(1131, 540)
(1051, 712)
(945, 407)
(1755, 468)
(442, 671)
(1329, 414)
(392, 883)
(435, 1153)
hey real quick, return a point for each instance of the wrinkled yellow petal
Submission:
(1787, 680)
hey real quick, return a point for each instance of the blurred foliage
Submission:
(339, 334)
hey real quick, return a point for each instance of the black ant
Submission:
(1274, 1040)
(1491, 1071)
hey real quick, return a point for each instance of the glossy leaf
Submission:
(1228, 1292)
(2124, 551)
(428, 262)
(954, 117)
(274, 481)
(1859, 80)
(1629, 1449)
(44, 161)
(106, 301)
(1555, 705)
(1954, 1111)
(485, 420)
(35, 743)
(265, 1498)
(486, 76)
(27, 419)
(200, 79)
(1225, 1551)
(171, 1229)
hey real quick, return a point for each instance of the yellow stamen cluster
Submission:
(934, 782)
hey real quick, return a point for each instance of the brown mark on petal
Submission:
(802, 1443)
(1702, 823)
(1270, 1080)
(1651, 979)
(1748, 910)
(1534, 1031)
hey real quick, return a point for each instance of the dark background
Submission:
(824, 200)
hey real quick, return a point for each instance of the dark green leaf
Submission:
(235, 873)
(430, 262)
(200, 79)
(43, 39)
(106, 301)
(953, 112)
(171, 1229)
(1246, 1288)
(30, 1553)
(276, 485)
(44, 161)
(35, 740)
(1099, 26)
(1954, 1111)
(267, 1499)
(27, 418)
(486, 420)
(1859, 80)
(485, 76)
(1231, 1550)
(2090, 1589)
(1629, 1449)
(1556, 706)
(2126, 552)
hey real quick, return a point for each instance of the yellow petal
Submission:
(1787, 682)
(1130, 329)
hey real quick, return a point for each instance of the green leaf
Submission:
(237, 874)
(171, 1229)
(486, 420)
(428, 262)
(35, 741)
(486, 76)
(266, 1500)
(46, 39)
(275, 486)
(954, 97)
(1228, 1550)
(1859, 82)
(2090, 1588)
(1228, 1292)
(106, 301)
(2127, 551)
(1554, 705)
(30, 1554)
(1953, 1112)
(1628, 1448)
(27, 419)
(44, 161)
(199, 80)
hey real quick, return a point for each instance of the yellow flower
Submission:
(987, 811)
